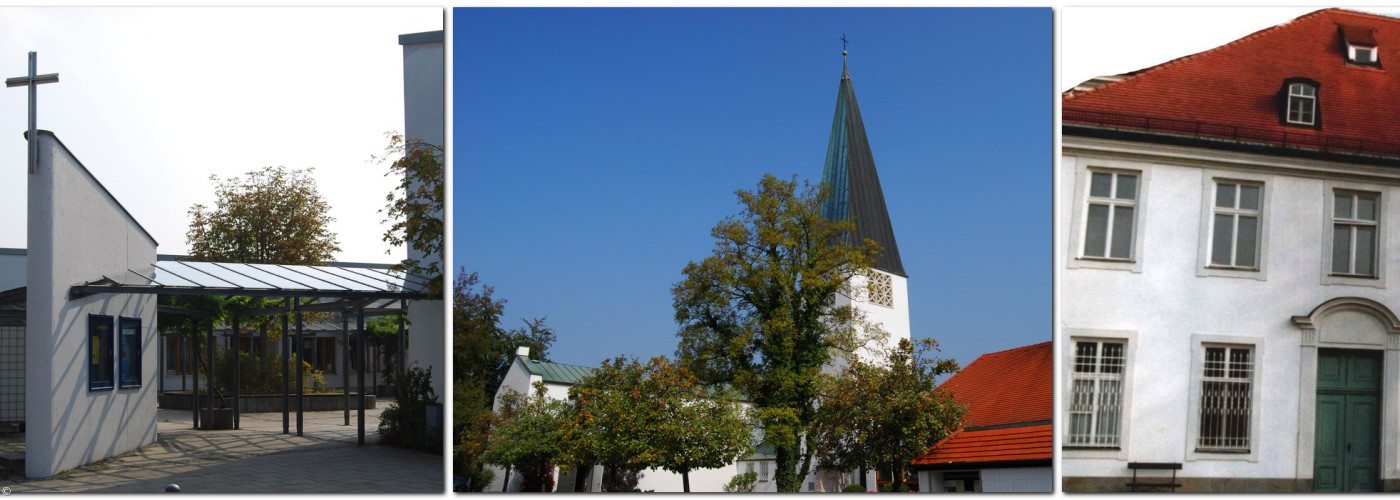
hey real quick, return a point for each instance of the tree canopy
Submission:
(414, 209)
(761, 311)
(271, 216)
(482, 351)
(882, 415)
(526, 437)
(634, 416)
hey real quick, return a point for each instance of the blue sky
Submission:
(594, 149)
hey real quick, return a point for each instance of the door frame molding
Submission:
(1315, 335)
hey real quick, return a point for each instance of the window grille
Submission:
(763, 471)
(881, 289)
(11, 374)
(1226, 389)
(1355, 225)
(1235, 231)
(1096, 397)
(1302, 104)
(1112, 211)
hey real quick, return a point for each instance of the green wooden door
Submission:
(1347, 455)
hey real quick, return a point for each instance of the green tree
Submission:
(272, 216)
(695, 427)
(610, 424)
(760, 312)
(882, 415)
(526, 439)
(414, 208)
(482, 352)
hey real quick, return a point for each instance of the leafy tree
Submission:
(610, 424)
(526, 439)
(741, 483)
(882, 415)
(482, 351)
(760, 312)
(414, 209)
(272, 216)
(405, 422)
(632, 416)
(695, 427)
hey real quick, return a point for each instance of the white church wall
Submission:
(77, 233)
(1171, 304)
(424, 119)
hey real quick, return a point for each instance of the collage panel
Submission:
(678, 269)
(203, 287)
(1225, 256)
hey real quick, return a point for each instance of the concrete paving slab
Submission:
(257, 458)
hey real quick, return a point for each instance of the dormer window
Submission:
(1302, 104)
(1361, 46)
(1361, 54)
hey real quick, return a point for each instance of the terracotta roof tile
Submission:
(1238, 84)
(970, 447)
(1007, 387)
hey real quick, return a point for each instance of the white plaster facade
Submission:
(425, 107)
(77, 233)
(1166, 304)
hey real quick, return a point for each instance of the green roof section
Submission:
(763, 451)
(557, 373)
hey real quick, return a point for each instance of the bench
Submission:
(1149, 485)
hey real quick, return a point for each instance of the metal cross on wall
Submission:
(32, 81)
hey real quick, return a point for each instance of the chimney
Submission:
(523, 352)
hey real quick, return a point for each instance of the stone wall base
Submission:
(1196, 484)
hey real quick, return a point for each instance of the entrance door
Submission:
(1347, 456)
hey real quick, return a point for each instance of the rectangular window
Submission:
(177, 357)
(1302, 104)
(1112, 212)
(881, 289)
(129, 345)
(763, 471)
(325, 354)
(1355, 222)
(99, 352)
(1235, 225)
(1226, 389)
(1362, 54)
(1096, 398)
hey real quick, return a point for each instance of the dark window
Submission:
(99, 352)
(129, 340)
(177, 355)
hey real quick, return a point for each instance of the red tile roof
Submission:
(1006, 387)
(988, 446)
(1238, 84)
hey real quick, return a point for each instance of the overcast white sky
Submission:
(1096, 41)
(154, 101)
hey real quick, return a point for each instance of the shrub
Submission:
(742, 483)
(854, 488)
(405, 422)
(263, 375)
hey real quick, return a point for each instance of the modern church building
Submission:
(1229, 266)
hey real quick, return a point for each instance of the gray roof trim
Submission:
(424, 37)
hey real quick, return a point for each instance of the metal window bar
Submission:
(11, 374)
(1096, 395)
(1226, 397)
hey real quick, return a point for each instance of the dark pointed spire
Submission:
(855, 186)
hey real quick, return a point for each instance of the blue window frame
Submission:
(129, 343)
(99, 352)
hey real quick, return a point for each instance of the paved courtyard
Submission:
(255, 459)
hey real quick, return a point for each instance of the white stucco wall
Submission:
(77, 233)
(425, 107)
(1170, 304)
(998, 480)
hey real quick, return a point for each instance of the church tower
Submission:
(856, 194)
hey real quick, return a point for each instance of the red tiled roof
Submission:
(1238, 84)
(1006, 387)
(991, 445)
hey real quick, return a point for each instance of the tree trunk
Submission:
(786, 475)
(685, 480)
(581, 480)
(505, 484)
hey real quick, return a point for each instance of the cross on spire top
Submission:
(843, 43)
(32, 80)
